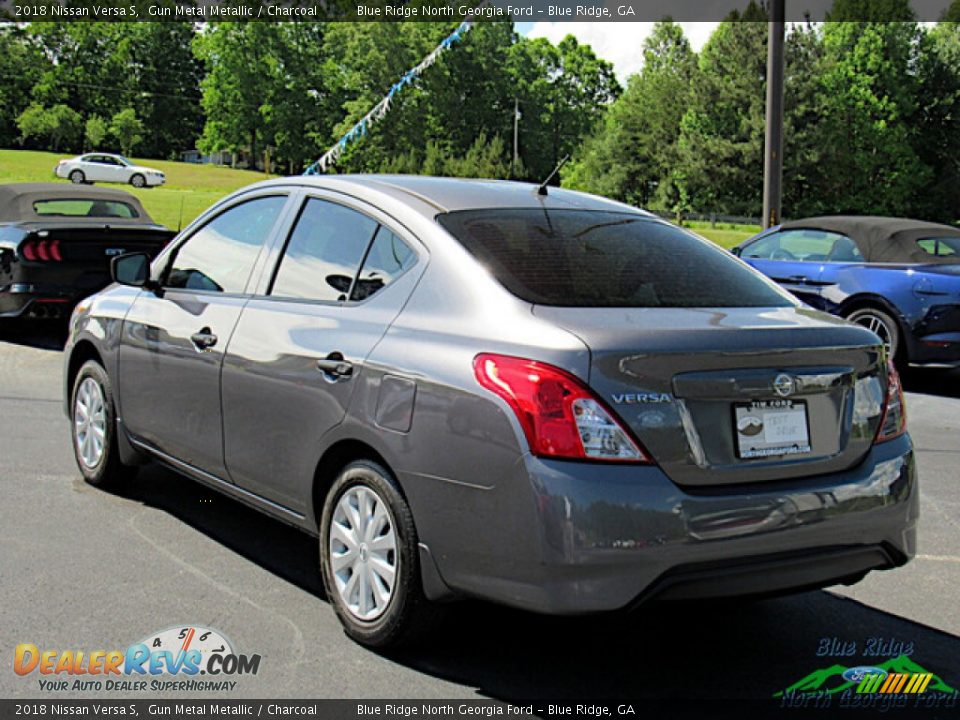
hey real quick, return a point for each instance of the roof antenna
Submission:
(180, 219)
(542, 190)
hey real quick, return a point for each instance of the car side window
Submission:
(388, 259)
(323, 253)
(805, 245)
(220, 256)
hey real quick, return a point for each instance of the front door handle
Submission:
(798, 279)
(334, 366)
(204, 339)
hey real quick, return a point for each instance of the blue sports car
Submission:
(900, 278)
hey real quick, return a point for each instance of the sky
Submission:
(617, 42)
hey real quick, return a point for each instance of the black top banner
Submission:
(439, 11)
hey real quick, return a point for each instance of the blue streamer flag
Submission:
(381, 108)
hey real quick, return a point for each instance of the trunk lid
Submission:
(85, 251)
(683, 380)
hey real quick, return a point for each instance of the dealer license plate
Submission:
(768, 428)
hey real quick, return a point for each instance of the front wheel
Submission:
(138, 180)
(369, 558)
(77, 177)
(94, 428)
(882, 324)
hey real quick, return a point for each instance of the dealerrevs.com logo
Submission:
(172, 659)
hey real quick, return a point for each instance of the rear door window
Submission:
(323, 253)
(580, 258)
(220, 256)
(389, 257)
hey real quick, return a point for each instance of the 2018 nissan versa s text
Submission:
(468, 388)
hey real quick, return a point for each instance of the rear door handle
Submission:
(204, 339)
(798, 279)
(335, 366)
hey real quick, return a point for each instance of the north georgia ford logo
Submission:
(184, 650)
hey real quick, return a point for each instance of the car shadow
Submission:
(943, 383)
(682, 659)
(40, 334)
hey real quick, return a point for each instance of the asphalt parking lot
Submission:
(84, 569)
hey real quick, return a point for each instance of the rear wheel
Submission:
(94, 428)
(369, 558)
(882, 324)
(138, 180)
(77, 177)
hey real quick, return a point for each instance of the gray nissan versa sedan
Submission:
(470, 388)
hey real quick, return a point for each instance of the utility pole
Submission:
(773, 142)
(516, 131)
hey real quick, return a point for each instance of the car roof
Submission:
(881, 239)
(17, 199)
(433, 195)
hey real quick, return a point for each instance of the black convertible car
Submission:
(56, 243)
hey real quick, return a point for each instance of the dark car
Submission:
(56, 243)
(899, 278)
(466, 388)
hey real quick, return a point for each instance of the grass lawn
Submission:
(197, 187)
(725, 235)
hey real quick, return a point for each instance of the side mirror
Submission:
(736, 251)
(132, 269)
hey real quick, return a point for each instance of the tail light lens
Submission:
(893, 422)
(41, 251)
(560, 416)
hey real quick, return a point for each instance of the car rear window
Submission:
(581, 258)
(67, 207)
(941, 247)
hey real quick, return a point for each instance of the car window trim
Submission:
(255, 271)
(335, 197)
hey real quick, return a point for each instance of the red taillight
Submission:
(41, 250)
(560, 416)
(893, 421)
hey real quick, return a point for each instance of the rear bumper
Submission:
(612, 537)
(938, 350)
(30, 300)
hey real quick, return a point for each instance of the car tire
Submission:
(138, 180)
(883, 324)
(77, 177)
(93, 423)
(405, 614)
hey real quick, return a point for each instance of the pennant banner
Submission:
(381, 108)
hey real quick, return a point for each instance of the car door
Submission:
(298, 351)
(172, 341)
(94, 168)
(794, 258)
(116, 170)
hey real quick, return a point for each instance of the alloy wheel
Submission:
(877, 325)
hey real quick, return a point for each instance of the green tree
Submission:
(937, 121)
(60, 125)
(870, 94)
(237, 61)
(21, 62)
(632, 154)
(564, 91)
(720, 148)
(127, 128)
(95, 132)
(34, 122)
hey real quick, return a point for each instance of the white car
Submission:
(101, 167)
